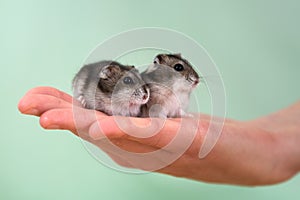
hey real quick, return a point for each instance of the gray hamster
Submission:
(171, 80)
(110, 87)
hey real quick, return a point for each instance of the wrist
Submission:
(290, 147)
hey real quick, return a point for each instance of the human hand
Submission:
(245, 153)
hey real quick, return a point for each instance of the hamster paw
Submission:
(82, 100)
(184, 114)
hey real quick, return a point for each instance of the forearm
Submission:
(285, 125)
(284, 120)
(290, 146)
(242, 155)
(256, 154)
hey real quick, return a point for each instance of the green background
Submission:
(255, 44)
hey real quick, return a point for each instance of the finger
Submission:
(76, 120)
(58, 119)
(183, 131)
(117, 126)
(37, 104)
(51, 92)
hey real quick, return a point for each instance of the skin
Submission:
(258, 152)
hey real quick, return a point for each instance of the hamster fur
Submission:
(110, 87)
(171, 80)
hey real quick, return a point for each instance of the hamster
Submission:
(110, 87)
(171, 80)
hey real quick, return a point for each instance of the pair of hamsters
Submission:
(163, 90)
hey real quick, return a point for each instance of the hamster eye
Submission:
(127, 80)
(178, 67)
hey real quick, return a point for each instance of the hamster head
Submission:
(180, 65)
(125, 87)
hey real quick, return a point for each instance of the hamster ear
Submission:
(178, 54)
(108, 71)
(132, 67)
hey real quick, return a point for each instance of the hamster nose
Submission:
(195, 83)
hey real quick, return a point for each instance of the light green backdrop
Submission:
(255, 43)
